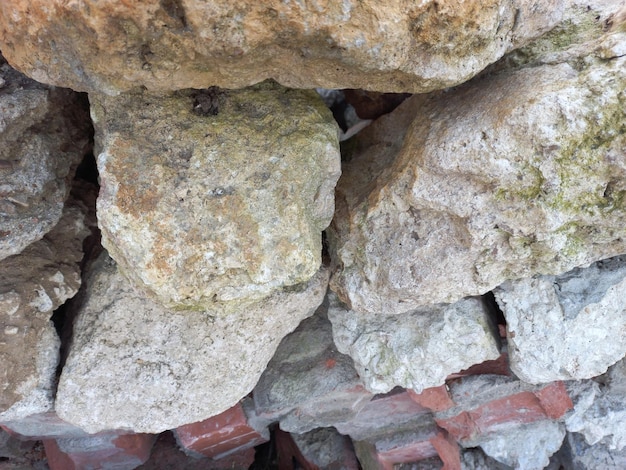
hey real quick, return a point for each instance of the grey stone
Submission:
(136, 365)
(44, 133)
(308, 384)
(579, 455)
(526, 447)
(600, 409)
(511, 175)
(327, 449)
(32, 285)
(415, 350)
(571, 326)
(216, 196)
(476, 459)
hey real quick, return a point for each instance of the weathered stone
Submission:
(579, 455)
(216, 196)
(527, 447)
(308, 384)
(511, 175)
(32, 284)
(415, 350)
(165, 45)
(476, 459)
(327, 449)
(44, 133)
(136, 365)
(571, 326)
(600, 410)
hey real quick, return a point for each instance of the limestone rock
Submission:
(579, 455)
(216, 196)
(32, 284)
(136, 365)
(415, 350)
(599, 410)
(511, 175)
(175, 44)
(528, 447)
(43, 133)
(571, 326)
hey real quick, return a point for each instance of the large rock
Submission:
(175, 44)
(216, 197)
(44, 133)
(415, 350)
(571, 326)
(32, 285)
(136, 365)
(508, 176)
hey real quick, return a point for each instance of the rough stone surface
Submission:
(167, 45)
(135, 365)
(32, 284)
(579, 455)
(571, 326)
(600, 408)
(511, 175)
(327, 449)
(44, 133)
(216, 196)
(528, 447)
(476, 459)
(308, 384)
(415, 350)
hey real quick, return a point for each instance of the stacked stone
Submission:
(219, 169)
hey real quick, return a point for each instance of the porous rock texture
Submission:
(216, 197)
(528, 447)
(415, 350)
(44, 133)
(32, 284)
(175, 44)
(136, 365)
(571, 326)
(599, 412)
(505, 177)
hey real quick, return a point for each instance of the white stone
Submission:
(415, 350)
(136, 365)
(571, 326)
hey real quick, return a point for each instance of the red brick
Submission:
(221, 434)
(408, 453)
(57, 460)
(525, 407)
(448, 450)
(434, 398)
(554, 400)
(103, 450)
(384, 414)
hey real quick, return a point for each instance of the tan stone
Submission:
(216, 197)
(398, 46)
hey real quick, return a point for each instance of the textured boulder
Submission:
(511, 175)
(571, 326)
(175, 44)
(136, 365)
(32, 284)
(216, 197)
(416, 350)
(44, 133)
(599, 408)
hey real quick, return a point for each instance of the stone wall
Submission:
(343, 234)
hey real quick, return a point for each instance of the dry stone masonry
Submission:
(329, 234)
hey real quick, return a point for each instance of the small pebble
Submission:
(11, 330)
